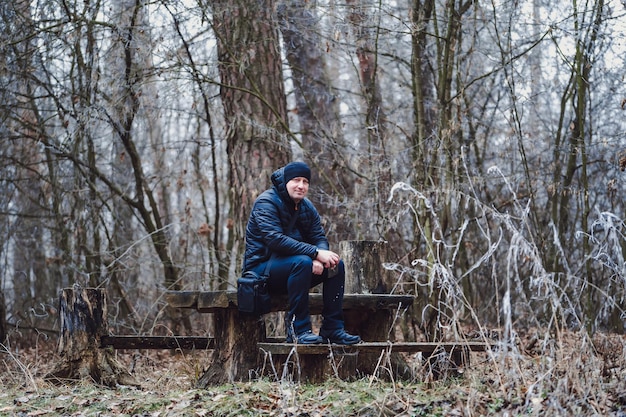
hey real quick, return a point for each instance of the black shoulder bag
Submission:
(253, 295)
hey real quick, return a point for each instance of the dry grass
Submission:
(567, 374)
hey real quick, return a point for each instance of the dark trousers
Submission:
(293, 275)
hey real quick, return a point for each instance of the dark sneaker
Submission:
(306, 338)
(339, 337)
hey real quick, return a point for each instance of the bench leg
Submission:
(374, 326)
(311, 368)
(236, 355)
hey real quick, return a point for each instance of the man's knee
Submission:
(302, 261)
(339, 272)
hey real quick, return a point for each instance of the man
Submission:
(285, 223)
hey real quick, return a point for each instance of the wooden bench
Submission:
(212, 301)
(223, 304)
(239, 344)
(312, 357)
(242, 347)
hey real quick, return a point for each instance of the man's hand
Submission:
(318, 268)
(328, 258)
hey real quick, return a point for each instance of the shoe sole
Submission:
(335, 342)
(317, 342)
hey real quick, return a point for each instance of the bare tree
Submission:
(255, 112)
(320, 132)
(376, 166)
(35, 271)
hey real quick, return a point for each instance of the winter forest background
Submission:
(484, 140)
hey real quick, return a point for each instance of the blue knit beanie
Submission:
(296, 169)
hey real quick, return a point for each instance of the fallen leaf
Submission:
(38, 413)
(21, 400)
(219, 397)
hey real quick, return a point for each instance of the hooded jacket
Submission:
(269, 221)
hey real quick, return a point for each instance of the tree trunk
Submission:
(421, 80)
(317, 107)
(365, 274)
(374, 141)
(255, 107)
(83, 315)
(3, 318)
(255, 114)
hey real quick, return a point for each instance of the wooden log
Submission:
(157, 342)
(365, 274)
(83, 317)
(235, 356)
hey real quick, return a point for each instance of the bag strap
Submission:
(292, 222)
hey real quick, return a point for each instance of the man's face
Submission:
(298, 188)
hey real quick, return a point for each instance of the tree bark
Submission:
(365, 274)
(317, 109)
(255, 106)
(3, 318)
(374, 141)
(83, 316)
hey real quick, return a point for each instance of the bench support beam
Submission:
(157, 342)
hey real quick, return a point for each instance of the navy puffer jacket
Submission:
(269, 221)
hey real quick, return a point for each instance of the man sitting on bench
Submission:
(285, 229)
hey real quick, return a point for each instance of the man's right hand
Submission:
(328, 258)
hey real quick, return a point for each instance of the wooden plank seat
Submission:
(281, 348)
(313, 362)
(210, 301)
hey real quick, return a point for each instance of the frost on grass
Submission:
(549, 324)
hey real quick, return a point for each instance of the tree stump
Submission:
(236, 354)
(365, 275)
(364, 266)
(83, 316)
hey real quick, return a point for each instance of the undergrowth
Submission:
(575, 380)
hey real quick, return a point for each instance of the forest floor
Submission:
(493, 385)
